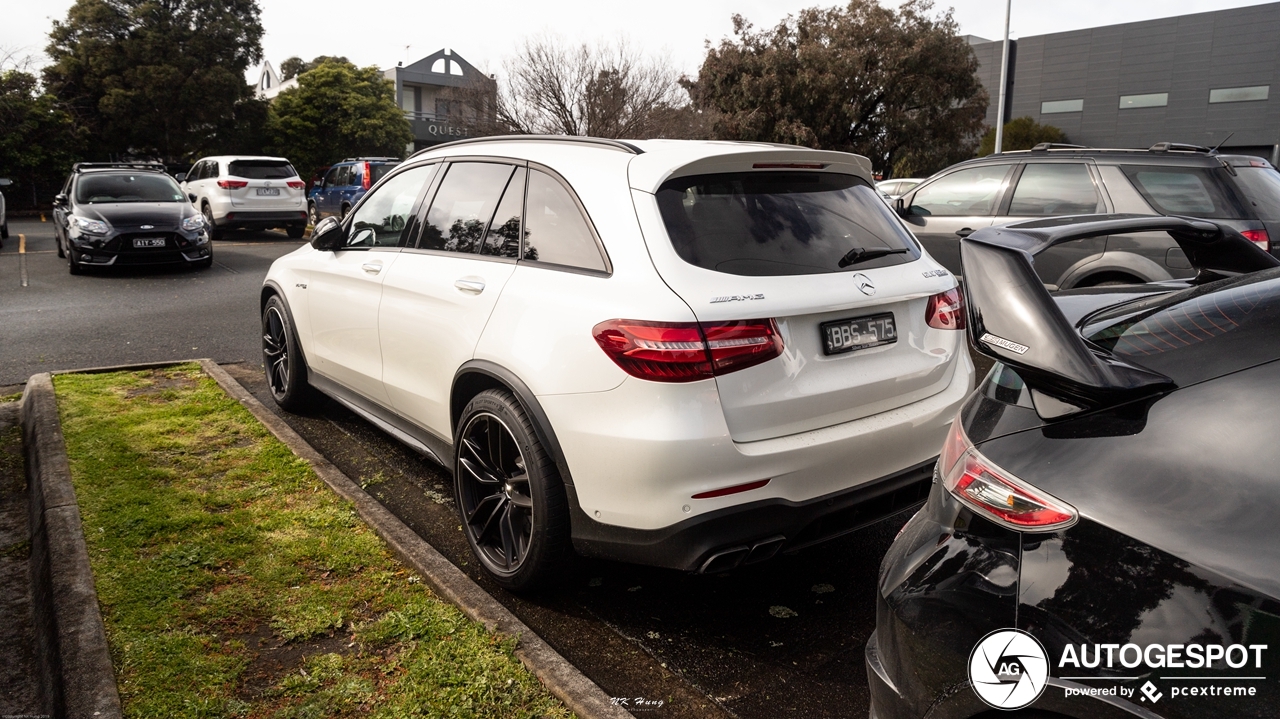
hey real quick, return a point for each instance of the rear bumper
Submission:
(261, 219)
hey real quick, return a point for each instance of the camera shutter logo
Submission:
(1008, 669)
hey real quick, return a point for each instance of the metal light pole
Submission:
(1004, 79)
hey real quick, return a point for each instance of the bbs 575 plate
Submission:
(858, 333)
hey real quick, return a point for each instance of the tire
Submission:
(58, 243)
(214, 232)
(4, 229)
(345, 210)
(282, 360)
(73, 263)
(510, 497)
(203, 264)
(313, 214)
(296, 232)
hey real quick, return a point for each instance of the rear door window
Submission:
(1193, 191)
(503, 237)
(555, 231)
(463, 206)
(964, 193)
(1261, 186)
(1047, 189)
(261, 169)
(760, 224)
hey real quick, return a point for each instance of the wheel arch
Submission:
(271, 288)
(1117, 262)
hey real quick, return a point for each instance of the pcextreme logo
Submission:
(1008, 669)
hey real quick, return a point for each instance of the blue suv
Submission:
(344, 184)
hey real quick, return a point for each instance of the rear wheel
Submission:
(296, 232)
(313, 215)
(512, 502)
(4, 229)
(345, 210)
(282, 360)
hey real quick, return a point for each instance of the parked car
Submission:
(685, 354)
(247, 192)
(1101, 536)
(344, 183)
(1055, 180)
(897, 187)
(4, 215)
(117, 214)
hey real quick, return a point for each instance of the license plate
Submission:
(858, 333)
(268, 191)
(148, 242)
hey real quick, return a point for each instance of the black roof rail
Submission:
(1181, 147)
(142, 165)
(575, 139)
(370, 159)
(1046, 146)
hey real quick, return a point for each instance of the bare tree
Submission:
(603, 90)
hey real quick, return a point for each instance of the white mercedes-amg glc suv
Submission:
(686, 354)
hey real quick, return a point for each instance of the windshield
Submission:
(150, 187)
(261, 169)
(1261, 186)
(782, 223)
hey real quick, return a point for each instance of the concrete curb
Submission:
(580, 694)
(72, 643)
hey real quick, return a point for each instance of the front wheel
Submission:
(512, 502)
(214, 232)
(58, 243)
(313, 215)
(282, 359)
(73, 262)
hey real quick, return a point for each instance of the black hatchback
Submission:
(1102, 538)
(113, 215)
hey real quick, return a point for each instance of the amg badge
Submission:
(736, 298)
(1002, 342)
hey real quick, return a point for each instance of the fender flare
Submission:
(1130, 263)
(271, 287)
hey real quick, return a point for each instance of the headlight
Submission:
(97, 227)
(193, 223)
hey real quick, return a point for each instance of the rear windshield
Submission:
(780, 223)
(261, 169)
(1196, 333)
(380, 171)
(1261, 186)
(151, 187)
(1194, 191)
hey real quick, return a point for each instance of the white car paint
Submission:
(222, 200)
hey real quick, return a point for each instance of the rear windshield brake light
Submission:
(788, 166)
(687, 351)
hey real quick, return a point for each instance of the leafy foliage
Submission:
(38, 142)
(1022, 133)
(338, 110)
(162, 79)
(898, 86)
(295, 66)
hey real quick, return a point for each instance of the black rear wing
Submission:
(1012, 318)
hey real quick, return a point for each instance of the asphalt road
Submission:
(60, 321)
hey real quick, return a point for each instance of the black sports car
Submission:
(127, 214)
(1103, 534)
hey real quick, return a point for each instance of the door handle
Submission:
(965, 232)
(475, 287)
(372, 268)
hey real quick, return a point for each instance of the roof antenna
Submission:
(1220, 144)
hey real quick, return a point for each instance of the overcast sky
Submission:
(376, 32)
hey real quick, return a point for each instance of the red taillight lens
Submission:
(687, 351)
(996, 494)
(297, 184)
(366, 180)
(232, 184)
(945, 310)
(1259, 238)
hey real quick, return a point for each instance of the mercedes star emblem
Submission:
(864, 284)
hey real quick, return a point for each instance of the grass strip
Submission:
(234, 583)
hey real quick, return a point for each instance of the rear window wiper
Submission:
(859, 255)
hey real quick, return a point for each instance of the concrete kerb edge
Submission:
(583, 696)
(71, 638)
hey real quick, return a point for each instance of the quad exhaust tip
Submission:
(726, 559)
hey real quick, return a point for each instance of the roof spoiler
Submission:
(1013, 320)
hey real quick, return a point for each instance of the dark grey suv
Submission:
(1056, 180)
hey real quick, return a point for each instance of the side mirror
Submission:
(5, 182)
(60, 199)
(328, 235)
(180, 177)
(192, 196)
(900, 207)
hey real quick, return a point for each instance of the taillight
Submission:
(687, 351)
(296, 184)
(1259, 238)
(945, 310)
(366, 180)
(232, 184)
(995, 494)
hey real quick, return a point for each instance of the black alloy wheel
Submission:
(285, 370)
(512, 503)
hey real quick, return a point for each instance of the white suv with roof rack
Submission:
(685, 354)
(247, 192)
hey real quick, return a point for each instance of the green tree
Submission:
(160, 78)
(895, 85)
(295, 66)
(38, 143)
(338, 110)
(1020, 133)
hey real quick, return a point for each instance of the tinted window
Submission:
(463, 206)
(381, 218)
(554, 229)
(380, 171)
(344, 175)
(261, 169)
(966, 193)
(128, 188)
(331, 178)
(1261, 186)
(1195, 191)
(779, 223)
(503, 237)
(1055, 189)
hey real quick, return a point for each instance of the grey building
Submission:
(1193, 78)
(443, 95)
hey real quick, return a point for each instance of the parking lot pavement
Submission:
(782, 639)
(60, 321)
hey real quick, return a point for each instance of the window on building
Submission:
(1239, 94)
(1055, 106)
(1154, 99)
(441, 66)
